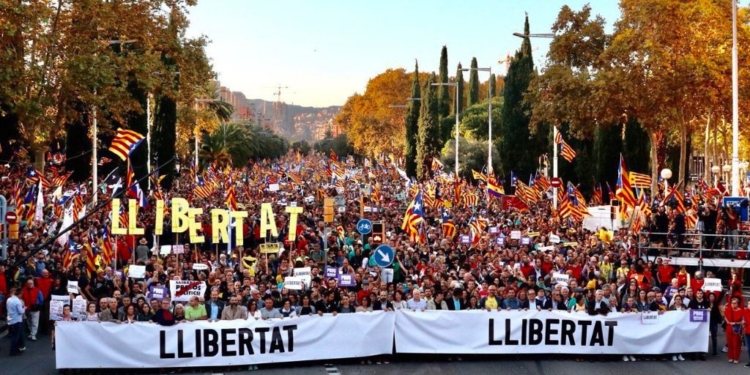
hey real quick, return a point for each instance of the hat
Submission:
(143, 241)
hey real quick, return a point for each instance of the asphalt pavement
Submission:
(39, 359)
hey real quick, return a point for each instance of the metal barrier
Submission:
(693, 241)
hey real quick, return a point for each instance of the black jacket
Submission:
(452, 304)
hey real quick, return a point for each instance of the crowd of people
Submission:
(607, 271)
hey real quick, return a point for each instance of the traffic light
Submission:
(378, 233)
(328, 211)
(13, 231)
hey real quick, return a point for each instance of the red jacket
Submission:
(32, 296)
(45, 285)
(665, 274)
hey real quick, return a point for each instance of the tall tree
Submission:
(460, 90)
(493, 85)
(473, 82)
(443, 92)
(516, 152)
(428, 138)
(412, 125)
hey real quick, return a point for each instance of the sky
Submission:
(326, 50)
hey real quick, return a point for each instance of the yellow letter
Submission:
(238, 217)
(267, 221)
(117, 229)
(219, 223)
(159, 224)
(293, 212)
(194, 225)
(133, 218)
(179, 215)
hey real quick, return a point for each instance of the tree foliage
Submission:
(443, 92)
(339, 144)
(412, 125)
(236, 144)
(472, 155)
(372, 123)
(475, 120)
(518, 151)
(473, 82)
(59, 60)
(428, 137)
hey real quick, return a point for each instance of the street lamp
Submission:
(489, 137)
(715, 171)
(726, 169)
(542, 35)
(735, 107)
(666, 174)
(454, 84)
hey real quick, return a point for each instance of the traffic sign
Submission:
(556, 182)
(384, 255)
(364, 226)
(11, 217)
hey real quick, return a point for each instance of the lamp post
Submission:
(455, 85)
(735, 107)
(489, 137)
(727, 169)
(715, 171)
(666, 174)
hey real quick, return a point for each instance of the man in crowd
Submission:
(34, 299)
(16, 312)
(195, 310)
(234, 311)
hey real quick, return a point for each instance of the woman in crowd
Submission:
(252, 311)
(91, 314)
(306, 308)
(398, 301)
(473, 304)
(66, 317)
(130, 314)
(145, 314)
(286, 310)
(179, 312)
(345, 306)
(715, 319)
(733, 318)
(365, 306)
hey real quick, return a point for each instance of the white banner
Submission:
(536, 332)
(223, 343)
(182, 290)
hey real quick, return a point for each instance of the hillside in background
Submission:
(291, 121)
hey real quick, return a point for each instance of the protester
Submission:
(16, 312)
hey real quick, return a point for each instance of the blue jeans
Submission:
(16, 338)
(747, 344)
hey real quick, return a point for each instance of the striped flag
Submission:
(566, 151)
(596, 199)
(125, 142)
(478, 175)
(60, 181)
(106, 246)
(624, 191)
(640, 180)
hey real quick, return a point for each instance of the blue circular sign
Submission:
(364, 226)
(384, 255)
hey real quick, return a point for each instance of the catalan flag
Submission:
(231, 196)
(436, 164)
(596, 199)
(478, 175)
(624, 190)
(201, 190)
(125, 142)
(640, 180)
(566, 151)
(106, 246)
(60, 181)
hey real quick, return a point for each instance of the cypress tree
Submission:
(473, 83)
(428, 139)
(517, 151)
(607, 148)
(460, 90)
(493, 83)
(443, 94)
(412, 126)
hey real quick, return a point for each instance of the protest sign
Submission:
(294, 283)
(157, 292)
(79, 308)
(182, 290)
(712, 285)
(137, 271)
(347, 280)
(73, 286)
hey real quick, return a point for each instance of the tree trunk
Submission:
(683, 152)
(658, 156)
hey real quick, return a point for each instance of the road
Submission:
(39, 359)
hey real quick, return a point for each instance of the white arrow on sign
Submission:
(385, 256)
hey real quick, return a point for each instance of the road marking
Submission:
(332, 370)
